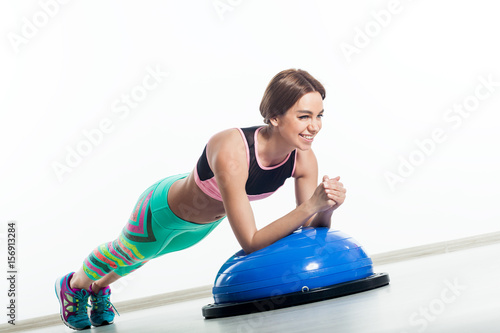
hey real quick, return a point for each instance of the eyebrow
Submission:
(309, 112)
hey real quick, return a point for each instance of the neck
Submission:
(272, 148)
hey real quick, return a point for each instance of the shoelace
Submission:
(81, 300)
(103, 301)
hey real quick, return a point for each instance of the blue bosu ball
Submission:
(299, 267)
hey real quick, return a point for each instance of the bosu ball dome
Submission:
(311, 264)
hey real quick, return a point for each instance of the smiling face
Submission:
(300, 124)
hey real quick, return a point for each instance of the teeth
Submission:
(308, 137)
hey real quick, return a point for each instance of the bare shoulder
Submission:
(227, 141)
(306, 163)
(226, 137)
(226, 153)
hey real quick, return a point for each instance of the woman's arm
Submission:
(226, 155)
(306, 175)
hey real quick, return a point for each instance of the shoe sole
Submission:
(58, 293)
(103, 324)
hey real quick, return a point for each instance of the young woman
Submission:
(236, 167)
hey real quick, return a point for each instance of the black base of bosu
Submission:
(296, 298)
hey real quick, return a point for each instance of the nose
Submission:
(314, 126)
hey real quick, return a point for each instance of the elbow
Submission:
(250, 249)
(251, 245)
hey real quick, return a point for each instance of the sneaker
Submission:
(74, 304)
(102, 311)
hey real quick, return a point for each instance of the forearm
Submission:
(321, 219)
(282, 227)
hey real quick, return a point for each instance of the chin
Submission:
(304, 148)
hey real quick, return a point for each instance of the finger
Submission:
(333, 183)
(325, 178)
(338, 194)
(334, 180)
(334, 187)
(339, 191)
(332, 202)
(331, 196)
(337, 198)
(338, 187)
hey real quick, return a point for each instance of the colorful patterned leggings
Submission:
(152, 230)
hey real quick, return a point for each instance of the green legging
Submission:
(152, 230)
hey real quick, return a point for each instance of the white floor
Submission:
(455, 292)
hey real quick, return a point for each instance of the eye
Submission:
(303, 117)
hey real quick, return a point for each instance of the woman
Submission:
(236, 167)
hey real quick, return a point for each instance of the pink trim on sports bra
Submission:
(209, 186)
(254, 197)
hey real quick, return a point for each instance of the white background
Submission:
(70, 72)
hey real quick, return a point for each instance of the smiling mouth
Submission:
(307, 137)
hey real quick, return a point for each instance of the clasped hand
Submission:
(329, 194)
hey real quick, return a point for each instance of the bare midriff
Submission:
(188, 202)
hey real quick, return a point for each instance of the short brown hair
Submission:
(285, 89)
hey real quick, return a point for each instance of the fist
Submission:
(335, 190)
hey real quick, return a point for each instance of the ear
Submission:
(273, 121)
